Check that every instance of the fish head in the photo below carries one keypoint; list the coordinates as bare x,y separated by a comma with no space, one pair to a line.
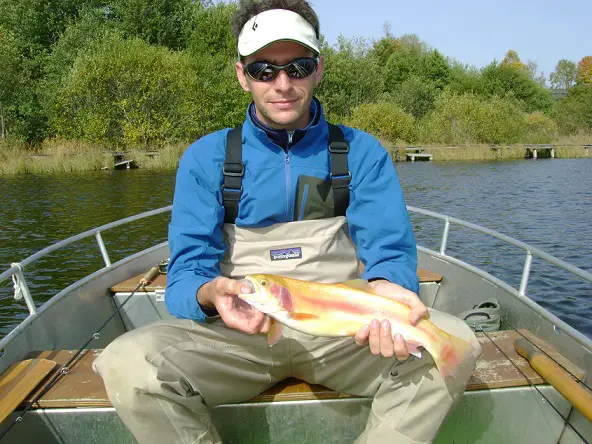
270,295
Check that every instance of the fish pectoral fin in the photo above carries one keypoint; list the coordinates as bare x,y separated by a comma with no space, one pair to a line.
303,316
359,284
413,348
275,332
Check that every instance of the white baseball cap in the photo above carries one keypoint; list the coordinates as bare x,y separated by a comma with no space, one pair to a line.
275,25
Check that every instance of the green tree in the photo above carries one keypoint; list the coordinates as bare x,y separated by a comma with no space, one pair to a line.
131,93
92,26
382,49
564,76
37,24
350,78
416,96
384,120
505,80
469,118
574,113
159,22
466,79
10,77
401,65
212,34
434,68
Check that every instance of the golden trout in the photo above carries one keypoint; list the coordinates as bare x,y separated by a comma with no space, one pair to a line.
338,310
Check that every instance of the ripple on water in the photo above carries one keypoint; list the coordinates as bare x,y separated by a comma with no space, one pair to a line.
544,203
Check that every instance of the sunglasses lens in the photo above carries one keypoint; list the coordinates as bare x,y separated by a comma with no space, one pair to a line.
261,71
297,69
301,68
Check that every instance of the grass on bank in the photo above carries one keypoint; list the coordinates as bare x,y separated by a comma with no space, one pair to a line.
63,156
564,149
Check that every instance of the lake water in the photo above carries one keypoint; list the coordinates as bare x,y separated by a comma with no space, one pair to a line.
545,203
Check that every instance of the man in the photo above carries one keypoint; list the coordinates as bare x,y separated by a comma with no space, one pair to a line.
289,198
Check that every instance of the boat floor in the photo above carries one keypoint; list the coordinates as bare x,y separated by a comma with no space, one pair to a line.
81,387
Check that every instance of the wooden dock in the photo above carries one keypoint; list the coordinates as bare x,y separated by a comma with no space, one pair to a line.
414,153
121,163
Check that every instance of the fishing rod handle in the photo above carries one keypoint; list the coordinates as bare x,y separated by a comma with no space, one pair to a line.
152,273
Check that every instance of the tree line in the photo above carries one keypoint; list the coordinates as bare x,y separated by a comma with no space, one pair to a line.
141,73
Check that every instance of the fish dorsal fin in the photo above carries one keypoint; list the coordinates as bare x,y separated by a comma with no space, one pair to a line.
359,284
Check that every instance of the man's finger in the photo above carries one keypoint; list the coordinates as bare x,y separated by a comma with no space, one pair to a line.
386,340
266,324
417,313
361,336
374,337
401,348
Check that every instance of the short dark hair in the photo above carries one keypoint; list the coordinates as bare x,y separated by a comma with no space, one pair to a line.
248,9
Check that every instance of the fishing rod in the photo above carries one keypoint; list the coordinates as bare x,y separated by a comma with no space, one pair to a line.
151,274
565,420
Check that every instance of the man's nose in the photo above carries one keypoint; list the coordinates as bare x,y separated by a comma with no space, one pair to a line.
283,81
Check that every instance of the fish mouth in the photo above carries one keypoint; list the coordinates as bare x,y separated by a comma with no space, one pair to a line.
259,298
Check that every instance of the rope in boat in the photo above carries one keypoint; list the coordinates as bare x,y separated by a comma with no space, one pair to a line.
565,420
65,368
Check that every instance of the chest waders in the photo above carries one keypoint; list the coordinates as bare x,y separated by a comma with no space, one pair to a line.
317,248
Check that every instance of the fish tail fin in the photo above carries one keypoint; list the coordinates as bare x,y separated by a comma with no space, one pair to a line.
450,353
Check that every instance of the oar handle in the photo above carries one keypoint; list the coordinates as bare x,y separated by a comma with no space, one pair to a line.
152,273
577,395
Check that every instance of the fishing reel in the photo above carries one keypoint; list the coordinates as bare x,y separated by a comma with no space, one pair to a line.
162,266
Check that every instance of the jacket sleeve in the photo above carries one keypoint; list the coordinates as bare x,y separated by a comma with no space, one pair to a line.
380,226
196,241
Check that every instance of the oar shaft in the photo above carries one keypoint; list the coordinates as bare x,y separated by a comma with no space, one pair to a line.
577,395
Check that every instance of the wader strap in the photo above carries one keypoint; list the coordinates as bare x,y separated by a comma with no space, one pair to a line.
340,174
233,170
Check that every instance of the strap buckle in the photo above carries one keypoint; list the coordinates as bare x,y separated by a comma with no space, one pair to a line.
232,194
233,169
340,181
339,147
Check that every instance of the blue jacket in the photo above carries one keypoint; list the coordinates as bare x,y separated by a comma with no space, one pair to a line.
377,216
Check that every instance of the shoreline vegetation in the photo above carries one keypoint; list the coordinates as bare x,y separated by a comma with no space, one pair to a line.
56,157
81,79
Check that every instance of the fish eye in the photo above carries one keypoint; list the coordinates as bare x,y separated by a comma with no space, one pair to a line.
263,282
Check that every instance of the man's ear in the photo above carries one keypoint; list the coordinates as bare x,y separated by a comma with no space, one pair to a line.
242,78
320,70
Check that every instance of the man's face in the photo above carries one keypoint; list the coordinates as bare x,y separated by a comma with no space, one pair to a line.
283,102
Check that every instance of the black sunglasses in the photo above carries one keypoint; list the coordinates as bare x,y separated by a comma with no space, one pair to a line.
296,69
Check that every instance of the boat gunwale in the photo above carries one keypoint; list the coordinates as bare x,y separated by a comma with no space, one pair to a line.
22,327
530,303
571,331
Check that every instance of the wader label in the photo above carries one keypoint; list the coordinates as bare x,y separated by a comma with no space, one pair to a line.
286,253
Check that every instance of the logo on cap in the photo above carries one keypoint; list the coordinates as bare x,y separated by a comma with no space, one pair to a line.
255,26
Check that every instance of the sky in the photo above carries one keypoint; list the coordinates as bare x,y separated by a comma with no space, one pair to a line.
472,32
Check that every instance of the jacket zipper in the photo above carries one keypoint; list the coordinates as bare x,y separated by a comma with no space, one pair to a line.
288,170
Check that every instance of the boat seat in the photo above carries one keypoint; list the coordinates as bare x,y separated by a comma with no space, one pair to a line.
81,387
159,283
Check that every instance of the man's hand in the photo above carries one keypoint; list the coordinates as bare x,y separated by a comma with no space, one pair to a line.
221,293
379,333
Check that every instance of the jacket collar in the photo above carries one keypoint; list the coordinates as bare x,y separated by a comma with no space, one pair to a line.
280,137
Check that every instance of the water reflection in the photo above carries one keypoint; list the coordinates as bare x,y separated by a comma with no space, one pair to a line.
546,203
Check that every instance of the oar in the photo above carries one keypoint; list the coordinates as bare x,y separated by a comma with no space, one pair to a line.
19,380
577,395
